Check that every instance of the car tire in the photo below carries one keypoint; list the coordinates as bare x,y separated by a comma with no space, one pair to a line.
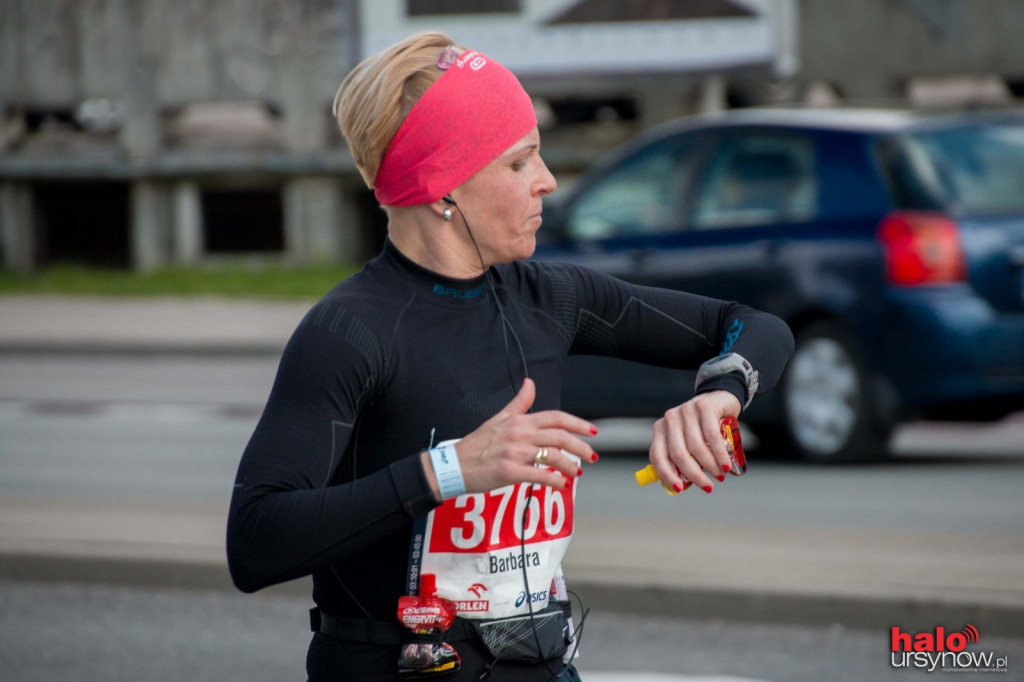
829,410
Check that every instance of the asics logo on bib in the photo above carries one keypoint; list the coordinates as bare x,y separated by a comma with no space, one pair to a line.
535,597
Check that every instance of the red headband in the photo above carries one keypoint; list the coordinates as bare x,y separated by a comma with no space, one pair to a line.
466,119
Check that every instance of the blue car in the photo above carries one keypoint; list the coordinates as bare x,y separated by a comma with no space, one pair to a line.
891,242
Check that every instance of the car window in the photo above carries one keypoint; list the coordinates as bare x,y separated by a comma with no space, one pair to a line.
758,179
641,196
973,168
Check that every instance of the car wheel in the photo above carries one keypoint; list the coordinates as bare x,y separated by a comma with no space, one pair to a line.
827,404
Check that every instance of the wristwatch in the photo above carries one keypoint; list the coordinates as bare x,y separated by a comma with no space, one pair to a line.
726,364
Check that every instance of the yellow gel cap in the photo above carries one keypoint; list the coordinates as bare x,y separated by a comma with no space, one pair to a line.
648,475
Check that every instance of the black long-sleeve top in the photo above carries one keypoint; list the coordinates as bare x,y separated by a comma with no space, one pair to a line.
396,357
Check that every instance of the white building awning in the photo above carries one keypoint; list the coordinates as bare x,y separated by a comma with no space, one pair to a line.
616,48
543,39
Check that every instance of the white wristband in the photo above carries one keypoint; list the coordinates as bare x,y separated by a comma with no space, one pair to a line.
448,471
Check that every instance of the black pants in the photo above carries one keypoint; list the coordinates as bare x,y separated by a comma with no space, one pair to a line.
333,660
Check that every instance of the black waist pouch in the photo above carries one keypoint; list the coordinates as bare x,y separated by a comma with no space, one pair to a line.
523,639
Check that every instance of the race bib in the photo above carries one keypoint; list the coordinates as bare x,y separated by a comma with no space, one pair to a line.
479,544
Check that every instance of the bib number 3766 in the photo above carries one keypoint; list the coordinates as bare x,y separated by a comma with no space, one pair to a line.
502,518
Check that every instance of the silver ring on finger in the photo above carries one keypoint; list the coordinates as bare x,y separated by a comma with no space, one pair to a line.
541,457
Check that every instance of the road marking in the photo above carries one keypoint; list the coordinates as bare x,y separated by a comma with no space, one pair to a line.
660,677
125,411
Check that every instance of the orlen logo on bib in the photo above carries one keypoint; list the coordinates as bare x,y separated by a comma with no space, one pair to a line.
472,605
478,605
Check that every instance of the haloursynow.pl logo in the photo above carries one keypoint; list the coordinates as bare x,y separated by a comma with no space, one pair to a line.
943,651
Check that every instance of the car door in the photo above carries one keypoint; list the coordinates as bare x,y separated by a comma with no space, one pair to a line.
609,224
749,216
703,212
616,216
756,193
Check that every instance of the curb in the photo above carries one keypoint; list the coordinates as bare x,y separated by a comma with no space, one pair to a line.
103,348
752,606
859,613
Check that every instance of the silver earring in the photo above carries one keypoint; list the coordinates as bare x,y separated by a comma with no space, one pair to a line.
447,215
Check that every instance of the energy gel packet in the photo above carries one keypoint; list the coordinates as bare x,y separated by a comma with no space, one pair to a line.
427,616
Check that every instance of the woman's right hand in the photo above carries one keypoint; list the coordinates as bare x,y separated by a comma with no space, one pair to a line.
503,450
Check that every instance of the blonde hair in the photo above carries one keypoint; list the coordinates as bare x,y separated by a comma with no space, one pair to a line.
379,92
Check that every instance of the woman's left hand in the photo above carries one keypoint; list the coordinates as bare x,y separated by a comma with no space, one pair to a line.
688,441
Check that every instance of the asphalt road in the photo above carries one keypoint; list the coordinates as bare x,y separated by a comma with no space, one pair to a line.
174,428
112,634
183,453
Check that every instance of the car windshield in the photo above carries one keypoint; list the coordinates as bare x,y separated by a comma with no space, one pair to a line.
975,169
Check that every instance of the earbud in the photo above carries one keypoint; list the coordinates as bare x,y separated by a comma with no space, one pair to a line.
448,212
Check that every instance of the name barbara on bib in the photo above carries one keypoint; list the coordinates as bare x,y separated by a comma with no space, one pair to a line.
513,562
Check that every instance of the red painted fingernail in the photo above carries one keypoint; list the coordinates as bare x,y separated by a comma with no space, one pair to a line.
707,489
593,457
726,468
579,472
678,488
720,478
593,430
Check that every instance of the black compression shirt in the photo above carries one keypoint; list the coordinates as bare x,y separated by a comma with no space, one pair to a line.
396,357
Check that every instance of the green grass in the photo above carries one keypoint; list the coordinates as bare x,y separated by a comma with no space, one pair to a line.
240,280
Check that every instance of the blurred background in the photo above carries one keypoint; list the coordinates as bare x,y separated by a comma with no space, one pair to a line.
174,195
164,125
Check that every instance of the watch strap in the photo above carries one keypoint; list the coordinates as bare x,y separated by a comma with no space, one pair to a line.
728,363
